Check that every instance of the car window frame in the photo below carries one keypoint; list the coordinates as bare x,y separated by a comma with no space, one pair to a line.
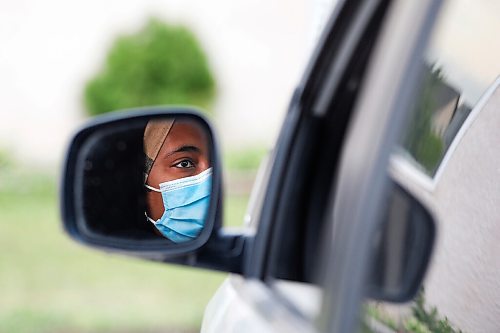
307,100
314,86
306,217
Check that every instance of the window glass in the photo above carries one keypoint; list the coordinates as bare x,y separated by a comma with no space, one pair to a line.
453,139
461,64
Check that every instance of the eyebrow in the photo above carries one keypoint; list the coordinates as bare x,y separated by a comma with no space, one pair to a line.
184,149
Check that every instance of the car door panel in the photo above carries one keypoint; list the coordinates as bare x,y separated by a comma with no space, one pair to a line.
247,305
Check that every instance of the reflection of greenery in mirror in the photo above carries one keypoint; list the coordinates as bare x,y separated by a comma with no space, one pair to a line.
422,142
438,113
160,64
419,318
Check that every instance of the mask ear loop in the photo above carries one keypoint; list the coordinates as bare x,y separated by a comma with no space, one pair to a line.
152,188
149,219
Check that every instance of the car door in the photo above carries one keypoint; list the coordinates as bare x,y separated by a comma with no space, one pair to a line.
330,169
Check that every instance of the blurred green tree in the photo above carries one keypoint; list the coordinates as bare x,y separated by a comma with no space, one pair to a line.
160,64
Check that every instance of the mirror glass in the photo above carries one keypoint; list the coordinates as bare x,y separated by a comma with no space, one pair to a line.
145,179
402,247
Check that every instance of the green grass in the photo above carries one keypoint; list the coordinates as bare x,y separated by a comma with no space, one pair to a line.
48,283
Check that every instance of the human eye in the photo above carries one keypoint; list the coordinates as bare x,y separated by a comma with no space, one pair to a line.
184,164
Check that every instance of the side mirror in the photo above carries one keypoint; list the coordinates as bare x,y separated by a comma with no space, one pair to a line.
143,182
402,248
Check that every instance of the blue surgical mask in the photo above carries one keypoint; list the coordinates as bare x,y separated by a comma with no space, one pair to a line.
186,202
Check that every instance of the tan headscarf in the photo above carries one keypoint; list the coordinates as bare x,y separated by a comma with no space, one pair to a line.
154,136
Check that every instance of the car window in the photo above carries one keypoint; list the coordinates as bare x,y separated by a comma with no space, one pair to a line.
452,141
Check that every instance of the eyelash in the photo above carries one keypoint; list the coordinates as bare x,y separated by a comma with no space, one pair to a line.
178,165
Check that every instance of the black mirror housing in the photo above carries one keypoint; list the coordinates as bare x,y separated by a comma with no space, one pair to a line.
402,247
102,179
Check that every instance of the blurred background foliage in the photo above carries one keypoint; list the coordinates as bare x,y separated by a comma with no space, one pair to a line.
244,159
160,64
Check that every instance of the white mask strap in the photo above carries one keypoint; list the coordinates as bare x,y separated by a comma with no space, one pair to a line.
152,188
149,219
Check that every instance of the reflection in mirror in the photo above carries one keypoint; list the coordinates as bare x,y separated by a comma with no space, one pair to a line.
438,113
402,248
146,180
178,177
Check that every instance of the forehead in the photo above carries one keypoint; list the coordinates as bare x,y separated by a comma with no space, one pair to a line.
185,133
186,129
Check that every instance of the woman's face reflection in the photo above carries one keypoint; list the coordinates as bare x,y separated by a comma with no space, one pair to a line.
184,153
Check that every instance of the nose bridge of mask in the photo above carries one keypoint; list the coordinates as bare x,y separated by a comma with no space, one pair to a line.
185,191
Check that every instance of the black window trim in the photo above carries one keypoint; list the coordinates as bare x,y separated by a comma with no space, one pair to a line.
323,65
